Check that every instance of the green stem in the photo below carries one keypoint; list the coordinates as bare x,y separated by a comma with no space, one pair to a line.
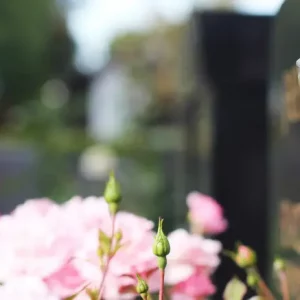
106,269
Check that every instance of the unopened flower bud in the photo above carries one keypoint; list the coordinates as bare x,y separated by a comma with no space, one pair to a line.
245,257
161,246
142,286
279,265
112,194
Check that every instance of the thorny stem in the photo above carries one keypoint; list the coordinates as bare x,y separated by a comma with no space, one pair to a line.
284,285
109,257
162,284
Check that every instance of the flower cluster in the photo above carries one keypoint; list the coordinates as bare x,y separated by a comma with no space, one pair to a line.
52,252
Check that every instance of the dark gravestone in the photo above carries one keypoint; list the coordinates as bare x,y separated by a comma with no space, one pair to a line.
18,177
234,55
285,111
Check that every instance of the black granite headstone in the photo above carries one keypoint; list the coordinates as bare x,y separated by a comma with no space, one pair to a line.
234,56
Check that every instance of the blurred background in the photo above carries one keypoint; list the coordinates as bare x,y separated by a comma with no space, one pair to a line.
174,96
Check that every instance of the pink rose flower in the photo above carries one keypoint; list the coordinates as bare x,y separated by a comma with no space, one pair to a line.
35,208
40,242
197,286
65,281
58,245
26,288
134,257
191,257
206,215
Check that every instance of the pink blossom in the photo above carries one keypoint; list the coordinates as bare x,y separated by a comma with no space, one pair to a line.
206,215
134,257
188,253
34,208
58,245
197,286
40,242
26,288
65,281
191,257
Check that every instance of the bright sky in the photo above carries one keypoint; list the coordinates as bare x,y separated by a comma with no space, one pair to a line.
95,22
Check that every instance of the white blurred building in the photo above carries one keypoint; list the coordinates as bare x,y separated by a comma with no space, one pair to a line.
114,100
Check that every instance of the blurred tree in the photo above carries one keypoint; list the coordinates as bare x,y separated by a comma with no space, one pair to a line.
34,46
154,59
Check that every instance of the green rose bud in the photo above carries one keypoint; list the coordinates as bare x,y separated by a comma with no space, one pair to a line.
112,194
142,286
245,257
279,265
161,246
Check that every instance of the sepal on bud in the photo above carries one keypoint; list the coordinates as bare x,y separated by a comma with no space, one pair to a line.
142,286
161,246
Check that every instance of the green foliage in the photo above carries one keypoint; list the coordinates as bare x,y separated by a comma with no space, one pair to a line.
34,45
57,144
104,243
131,42
154,60
72,297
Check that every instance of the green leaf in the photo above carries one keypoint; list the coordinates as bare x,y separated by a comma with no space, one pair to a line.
117,248
93,294
235,290
72,297
104,243
229,254
103,237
